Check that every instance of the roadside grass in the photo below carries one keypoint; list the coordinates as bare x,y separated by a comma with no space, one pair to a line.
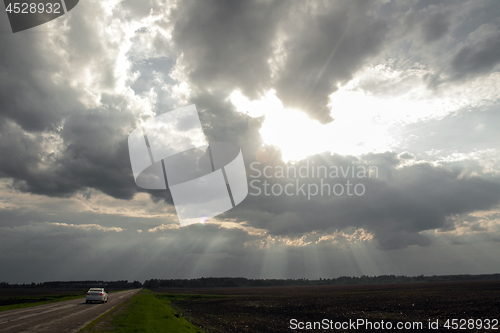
178,297
146,312
29,301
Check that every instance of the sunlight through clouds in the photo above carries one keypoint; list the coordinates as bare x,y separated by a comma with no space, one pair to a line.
369,112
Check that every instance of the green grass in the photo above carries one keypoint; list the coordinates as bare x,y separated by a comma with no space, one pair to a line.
28,301
175,297
144,312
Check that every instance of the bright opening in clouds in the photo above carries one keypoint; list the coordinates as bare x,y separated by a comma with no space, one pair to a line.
370,112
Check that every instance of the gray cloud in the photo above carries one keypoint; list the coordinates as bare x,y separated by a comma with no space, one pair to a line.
19,152
67,249
96,151
230,46
221,123
54,144
479,57
455,41
397,206
63,137
436,26
27,95
94,154
324,47
227,44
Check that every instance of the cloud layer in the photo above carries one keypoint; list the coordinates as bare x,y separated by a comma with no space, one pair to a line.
408,88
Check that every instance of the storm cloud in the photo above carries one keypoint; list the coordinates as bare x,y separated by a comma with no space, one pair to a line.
410,89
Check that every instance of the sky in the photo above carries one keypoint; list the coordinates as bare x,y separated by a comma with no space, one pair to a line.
408,91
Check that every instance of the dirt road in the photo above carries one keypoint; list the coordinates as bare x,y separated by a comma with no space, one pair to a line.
67,316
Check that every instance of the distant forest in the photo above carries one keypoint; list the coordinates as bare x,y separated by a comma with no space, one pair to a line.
215,282
108,285
343,280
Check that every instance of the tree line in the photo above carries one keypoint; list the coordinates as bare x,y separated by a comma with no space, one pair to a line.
224,282
123,284
214,282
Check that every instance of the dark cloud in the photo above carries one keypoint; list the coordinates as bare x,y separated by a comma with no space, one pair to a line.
67,250
54,144
96,153
480,57
65,119
27,94
436,26
93,154
396,207
227,44
40,67
324,47
20,152
222,123
454,41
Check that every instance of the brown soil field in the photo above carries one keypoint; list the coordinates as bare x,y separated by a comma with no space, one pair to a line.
270,309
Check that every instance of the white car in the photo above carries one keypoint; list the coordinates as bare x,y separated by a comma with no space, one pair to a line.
96,295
